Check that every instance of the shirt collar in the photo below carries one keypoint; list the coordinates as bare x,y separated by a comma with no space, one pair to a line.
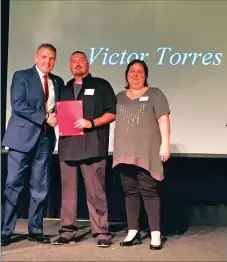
41,74
87,78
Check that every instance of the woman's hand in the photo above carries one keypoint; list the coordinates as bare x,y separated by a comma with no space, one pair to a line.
164,151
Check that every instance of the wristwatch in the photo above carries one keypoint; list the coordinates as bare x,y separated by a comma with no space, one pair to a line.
92,123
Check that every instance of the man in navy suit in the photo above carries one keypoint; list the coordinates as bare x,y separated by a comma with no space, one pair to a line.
30,137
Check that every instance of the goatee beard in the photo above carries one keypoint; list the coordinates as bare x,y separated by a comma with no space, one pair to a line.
79,74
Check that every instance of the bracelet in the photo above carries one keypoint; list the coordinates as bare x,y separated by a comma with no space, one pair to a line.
92,123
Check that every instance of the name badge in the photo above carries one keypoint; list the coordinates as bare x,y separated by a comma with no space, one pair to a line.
89,92
144,98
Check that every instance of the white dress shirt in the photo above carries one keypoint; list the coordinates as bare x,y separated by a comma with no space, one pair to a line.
51,99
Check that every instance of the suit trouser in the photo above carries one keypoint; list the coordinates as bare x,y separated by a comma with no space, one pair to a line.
136,181
37,161
94,180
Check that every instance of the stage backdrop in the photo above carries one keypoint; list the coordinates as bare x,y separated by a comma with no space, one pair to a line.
184,44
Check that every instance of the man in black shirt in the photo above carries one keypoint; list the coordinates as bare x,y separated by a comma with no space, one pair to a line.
87,152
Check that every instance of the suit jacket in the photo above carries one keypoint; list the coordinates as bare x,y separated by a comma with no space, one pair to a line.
28,109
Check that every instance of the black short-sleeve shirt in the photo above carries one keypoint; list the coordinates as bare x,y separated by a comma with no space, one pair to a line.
98,98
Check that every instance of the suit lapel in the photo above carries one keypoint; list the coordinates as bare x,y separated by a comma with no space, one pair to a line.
37,81
55,84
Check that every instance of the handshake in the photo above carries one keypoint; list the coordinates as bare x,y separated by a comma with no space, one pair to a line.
51,119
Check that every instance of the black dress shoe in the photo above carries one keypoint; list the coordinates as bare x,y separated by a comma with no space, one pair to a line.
103,243
5,240
135,241
63,240
152,247
40,238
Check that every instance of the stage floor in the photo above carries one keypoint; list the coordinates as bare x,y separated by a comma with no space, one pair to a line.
199,243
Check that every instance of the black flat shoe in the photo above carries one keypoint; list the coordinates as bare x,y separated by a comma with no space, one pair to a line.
135,241
40,238
152,247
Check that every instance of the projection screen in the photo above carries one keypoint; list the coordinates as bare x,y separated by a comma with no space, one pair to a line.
184,44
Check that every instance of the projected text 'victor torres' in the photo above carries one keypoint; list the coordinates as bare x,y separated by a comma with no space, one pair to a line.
164,56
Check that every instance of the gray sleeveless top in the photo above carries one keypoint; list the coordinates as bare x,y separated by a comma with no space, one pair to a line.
137,137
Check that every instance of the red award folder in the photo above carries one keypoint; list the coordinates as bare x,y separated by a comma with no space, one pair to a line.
68,112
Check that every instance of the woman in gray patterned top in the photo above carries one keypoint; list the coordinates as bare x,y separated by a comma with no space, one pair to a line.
141,144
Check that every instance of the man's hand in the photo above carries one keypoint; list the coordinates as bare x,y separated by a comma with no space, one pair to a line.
164,151
52,119
83,123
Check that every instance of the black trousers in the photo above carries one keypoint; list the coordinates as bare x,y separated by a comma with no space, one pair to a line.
138,182
94,180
